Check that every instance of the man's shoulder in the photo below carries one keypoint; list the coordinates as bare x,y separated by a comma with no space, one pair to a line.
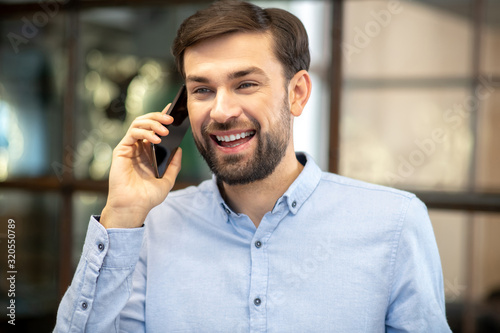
356,198
361,189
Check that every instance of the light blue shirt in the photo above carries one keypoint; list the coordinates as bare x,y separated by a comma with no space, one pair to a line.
334,255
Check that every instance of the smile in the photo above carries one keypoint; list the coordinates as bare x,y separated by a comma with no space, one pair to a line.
234,140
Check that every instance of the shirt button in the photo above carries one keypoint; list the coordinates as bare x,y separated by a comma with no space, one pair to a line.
84,305
257,301
225,209
100,246
258,244
294,204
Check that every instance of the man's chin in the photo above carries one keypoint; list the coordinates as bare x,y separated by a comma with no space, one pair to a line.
233,170
231,159
236,179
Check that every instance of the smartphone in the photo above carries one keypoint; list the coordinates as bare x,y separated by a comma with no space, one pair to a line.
163,152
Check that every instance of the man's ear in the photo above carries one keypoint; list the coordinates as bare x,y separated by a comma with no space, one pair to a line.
299,90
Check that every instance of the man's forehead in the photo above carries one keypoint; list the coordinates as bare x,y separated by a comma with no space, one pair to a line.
249,49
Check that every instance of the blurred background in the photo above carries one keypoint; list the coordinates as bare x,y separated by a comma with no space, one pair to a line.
405,94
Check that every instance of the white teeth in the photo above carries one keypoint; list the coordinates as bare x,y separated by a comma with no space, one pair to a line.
233,137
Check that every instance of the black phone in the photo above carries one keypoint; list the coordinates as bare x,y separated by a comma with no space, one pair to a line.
163,152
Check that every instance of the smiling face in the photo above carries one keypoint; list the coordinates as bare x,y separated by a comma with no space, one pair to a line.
238,106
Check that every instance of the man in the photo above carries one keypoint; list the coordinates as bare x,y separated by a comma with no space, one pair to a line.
271,243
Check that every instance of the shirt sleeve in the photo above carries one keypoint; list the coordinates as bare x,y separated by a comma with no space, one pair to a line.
416,303
102,283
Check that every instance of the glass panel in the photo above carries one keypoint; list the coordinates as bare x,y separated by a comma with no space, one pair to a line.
34,217
84,205
491,39
407,137
406,100
470,255
487,272
32,77
488,253
450,229
488,157
406,39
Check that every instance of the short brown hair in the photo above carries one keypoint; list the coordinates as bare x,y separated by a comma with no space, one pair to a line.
291,45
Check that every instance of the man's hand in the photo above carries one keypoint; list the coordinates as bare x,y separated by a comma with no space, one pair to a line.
133,188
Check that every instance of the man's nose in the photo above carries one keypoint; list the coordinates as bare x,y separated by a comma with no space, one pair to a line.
225,107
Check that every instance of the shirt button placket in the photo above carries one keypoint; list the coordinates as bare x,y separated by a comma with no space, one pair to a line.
258,316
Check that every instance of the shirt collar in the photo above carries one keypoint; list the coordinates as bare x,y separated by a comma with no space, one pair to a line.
305,184
297,193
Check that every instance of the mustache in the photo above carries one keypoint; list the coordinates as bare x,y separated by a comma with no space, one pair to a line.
214,126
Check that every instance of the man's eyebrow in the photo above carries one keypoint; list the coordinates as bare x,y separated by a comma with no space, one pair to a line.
245,72
195,78
230,76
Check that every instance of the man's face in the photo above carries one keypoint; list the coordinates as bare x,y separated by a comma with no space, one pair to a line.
238,106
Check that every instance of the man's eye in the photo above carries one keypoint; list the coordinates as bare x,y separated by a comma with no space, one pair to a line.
201,91
246,85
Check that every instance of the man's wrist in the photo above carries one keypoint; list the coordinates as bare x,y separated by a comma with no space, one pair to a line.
121,218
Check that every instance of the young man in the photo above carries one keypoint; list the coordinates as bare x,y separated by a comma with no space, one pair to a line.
271,243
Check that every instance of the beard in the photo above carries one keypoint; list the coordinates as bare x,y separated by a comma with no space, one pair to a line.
234,169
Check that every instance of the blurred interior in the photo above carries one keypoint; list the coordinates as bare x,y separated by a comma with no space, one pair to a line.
406,94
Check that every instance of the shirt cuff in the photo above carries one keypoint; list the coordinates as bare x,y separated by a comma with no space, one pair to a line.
114,248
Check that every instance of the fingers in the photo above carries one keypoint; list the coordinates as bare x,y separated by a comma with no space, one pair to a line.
148,127
164,111
154,117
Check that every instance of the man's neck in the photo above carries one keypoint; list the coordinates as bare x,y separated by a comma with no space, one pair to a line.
258,198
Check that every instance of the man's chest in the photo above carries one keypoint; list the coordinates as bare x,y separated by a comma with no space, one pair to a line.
278,284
